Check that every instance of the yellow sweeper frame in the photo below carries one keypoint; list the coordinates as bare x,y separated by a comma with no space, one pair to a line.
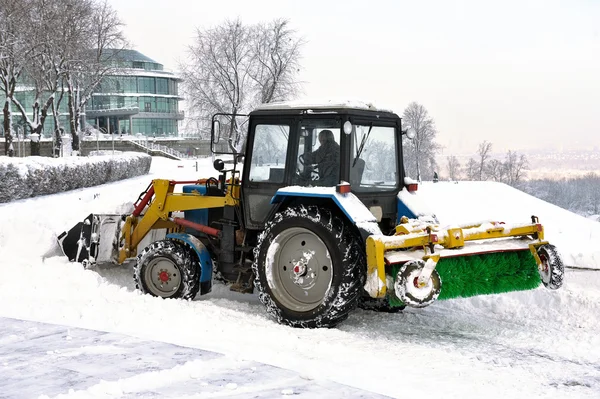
427,237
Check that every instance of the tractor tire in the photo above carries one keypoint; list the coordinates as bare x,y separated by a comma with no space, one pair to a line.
406,288
168,269
379,305
552,269
308,268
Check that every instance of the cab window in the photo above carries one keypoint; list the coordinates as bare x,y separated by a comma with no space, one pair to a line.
269,153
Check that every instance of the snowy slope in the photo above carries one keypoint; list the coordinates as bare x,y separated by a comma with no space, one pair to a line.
575,236
529,344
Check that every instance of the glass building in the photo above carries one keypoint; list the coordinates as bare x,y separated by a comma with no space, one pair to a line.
139,97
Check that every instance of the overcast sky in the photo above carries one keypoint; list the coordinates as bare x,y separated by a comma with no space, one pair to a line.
521,74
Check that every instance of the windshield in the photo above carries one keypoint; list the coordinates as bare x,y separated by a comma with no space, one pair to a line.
373,165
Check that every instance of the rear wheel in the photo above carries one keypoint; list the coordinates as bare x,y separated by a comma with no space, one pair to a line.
308,268
551,269
168,269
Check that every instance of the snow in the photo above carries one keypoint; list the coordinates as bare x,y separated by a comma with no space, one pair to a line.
323,104
538,343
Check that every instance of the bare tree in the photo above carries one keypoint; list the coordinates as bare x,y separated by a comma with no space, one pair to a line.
420,152
45,72
516,166
484,151
234,67
277,51
15,53
496,170
471,170
47,44
453,168
97,44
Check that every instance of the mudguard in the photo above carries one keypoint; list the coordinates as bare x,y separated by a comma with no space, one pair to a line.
206,266
356,212
412,207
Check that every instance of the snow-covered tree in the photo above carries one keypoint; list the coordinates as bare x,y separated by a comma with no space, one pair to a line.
49,45
484,152
277,51
471,170
15,53
420,152
97,44
453,168
232,67
516,166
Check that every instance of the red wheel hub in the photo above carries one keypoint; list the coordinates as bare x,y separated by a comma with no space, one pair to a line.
163,276
300,269
544,261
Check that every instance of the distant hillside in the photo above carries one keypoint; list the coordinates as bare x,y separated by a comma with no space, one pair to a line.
547,164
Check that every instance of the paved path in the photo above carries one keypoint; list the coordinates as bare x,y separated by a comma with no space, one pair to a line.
39,360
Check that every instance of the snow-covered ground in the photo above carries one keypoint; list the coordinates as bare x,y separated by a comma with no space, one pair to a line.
537,343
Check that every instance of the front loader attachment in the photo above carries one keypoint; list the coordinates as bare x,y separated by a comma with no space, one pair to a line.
95,240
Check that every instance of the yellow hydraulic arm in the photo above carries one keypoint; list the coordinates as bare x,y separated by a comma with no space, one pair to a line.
159,201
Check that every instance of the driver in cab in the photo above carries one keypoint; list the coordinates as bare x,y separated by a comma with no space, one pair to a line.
327,157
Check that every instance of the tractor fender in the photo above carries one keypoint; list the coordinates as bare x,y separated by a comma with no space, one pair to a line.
206,266
413,207
352,207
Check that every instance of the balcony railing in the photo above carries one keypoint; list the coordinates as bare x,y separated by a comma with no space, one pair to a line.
104,107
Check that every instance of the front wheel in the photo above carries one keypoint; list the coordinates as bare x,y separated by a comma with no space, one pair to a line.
551,269
168,269
308,268
408,289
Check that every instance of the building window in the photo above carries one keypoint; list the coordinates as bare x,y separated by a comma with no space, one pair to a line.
146,85
162,86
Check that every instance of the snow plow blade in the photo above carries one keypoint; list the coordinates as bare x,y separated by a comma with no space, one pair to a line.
94,240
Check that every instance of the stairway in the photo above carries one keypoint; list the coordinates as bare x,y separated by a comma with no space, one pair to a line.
157,149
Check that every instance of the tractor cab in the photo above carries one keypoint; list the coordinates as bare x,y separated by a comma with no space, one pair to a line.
312,145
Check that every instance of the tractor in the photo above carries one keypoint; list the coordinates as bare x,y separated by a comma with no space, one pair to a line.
320,219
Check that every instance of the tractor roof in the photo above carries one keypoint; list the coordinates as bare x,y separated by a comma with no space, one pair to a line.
336,106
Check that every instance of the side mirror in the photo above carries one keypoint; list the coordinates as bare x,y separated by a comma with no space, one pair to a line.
410,133
219,165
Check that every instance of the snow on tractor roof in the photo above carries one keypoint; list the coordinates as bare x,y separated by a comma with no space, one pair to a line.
323,105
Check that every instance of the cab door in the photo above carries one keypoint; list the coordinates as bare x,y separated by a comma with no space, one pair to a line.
266,168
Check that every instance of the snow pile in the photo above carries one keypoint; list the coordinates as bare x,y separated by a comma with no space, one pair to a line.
34,176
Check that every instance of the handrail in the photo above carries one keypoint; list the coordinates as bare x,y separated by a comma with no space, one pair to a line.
152,146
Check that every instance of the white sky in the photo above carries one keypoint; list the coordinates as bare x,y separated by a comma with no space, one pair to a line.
521,74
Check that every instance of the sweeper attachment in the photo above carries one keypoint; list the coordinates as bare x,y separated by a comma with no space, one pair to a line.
488,258
321,220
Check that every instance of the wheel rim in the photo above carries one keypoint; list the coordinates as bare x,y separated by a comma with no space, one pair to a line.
407,288
162,277
412,286
301,269
544,268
